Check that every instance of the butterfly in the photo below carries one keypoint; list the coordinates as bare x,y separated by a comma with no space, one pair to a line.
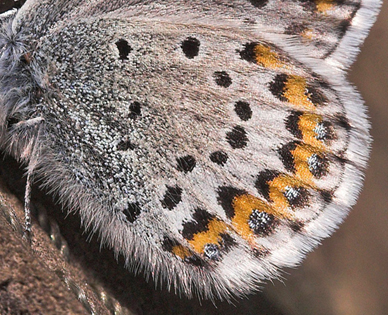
210,143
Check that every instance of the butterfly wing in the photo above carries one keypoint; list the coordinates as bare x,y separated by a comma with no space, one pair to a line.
211,143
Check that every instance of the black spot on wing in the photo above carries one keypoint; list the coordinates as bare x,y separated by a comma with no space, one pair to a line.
219,157
262,181
292,124
132,211
243,110
227,241
125,145
186,163
225,197
327,196
172,197
248,52
222,78
343,122
190,47
201,219
296,226
286,156
195,261
124,49
168,244
237,137
135,109
259,3
277,86
316,95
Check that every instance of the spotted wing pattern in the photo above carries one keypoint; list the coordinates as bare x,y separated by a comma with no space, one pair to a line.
209,142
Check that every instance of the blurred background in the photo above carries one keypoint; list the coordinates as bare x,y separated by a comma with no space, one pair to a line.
346,275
